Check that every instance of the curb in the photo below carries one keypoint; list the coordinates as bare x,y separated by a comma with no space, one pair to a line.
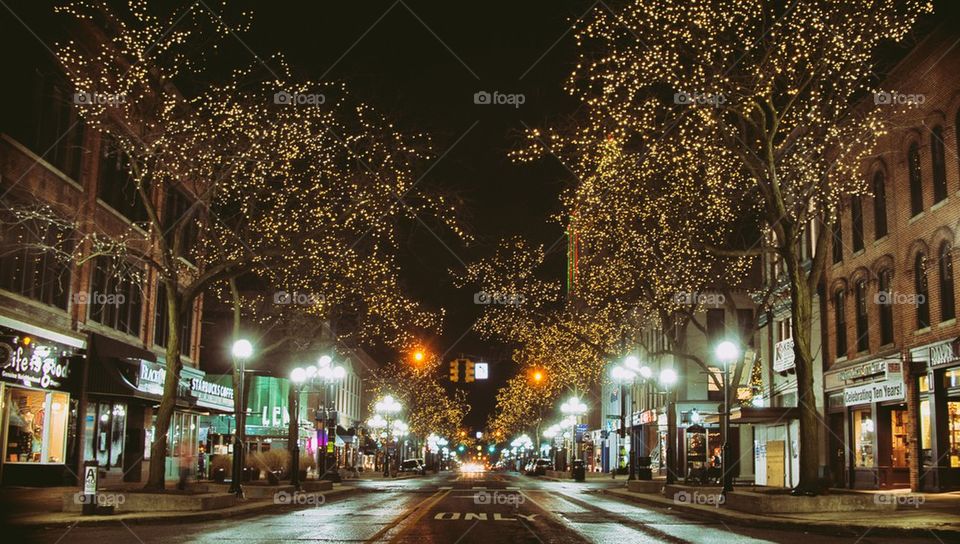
251,507
772,522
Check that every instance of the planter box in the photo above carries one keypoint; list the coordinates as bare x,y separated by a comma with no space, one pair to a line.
126,501
560,474
312,486
784,503
645,486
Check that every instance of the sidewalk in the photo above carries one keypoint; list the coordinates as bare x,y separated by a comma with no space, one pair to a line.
939,515
34,507
371,475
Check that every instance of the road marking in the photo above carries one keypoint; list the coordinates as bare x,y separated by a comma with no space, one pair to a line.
443,488
480,516
475,488
406,521
512,488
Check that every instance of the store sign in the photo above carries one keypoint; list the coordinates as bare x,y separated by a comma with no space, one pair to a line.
874,392
783,358
944,353
863,371
647,416
151,377
36,366
210,394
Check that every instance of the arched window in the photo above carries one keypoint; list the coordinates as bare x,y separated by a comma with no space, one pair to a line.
879,206
916,181
839,318
948,308
921,291
885,301
938,161
863,338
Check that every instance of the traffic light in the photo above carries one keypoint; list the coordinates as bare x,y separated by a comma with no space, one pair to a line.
469,375
455,370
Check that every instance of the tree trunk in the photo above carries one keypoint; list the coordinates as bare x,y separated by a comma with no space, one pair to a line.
801,311
158,451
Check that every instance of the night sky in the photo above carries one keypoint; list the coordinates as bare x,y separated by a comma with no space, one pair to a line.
421,63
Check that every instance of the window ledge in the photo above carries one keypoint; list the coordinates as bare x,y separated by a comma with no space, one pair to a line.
924,330
40,160
881,240
122,217
840,360
948,323
888,345
859,252
916,218
940,204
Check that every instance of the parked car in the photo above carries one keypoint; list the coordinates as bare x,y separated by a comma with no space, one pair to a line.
541,466
413,465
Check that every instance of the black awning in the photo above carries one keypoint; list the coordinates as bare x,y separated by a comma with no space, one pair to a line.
104,347
116,377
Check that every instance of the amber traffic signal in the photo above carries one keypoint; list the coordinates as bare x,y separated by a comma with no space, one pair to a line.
455,370
469,372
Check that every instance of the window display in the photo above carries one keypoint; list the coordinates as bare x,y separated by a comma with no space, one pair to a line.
899,453
36,426
863,432
953,430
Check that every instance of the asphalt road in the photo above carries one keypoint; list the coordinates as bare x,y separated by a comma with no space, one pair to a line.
448,508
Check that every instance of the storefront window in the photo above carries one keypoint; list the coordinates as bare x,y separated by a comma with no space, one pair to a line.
953,429
36,426
951,378
863,433
925,436
898,434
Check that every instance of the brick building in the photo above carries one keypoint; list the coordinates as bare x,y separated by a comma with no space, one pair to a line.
81,347
891,365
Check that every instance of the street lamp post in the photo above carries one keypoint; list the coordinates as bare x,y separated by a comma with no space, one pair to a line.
573,408
384,410
668,378
727,353
241,350
328,374
298,376
625,375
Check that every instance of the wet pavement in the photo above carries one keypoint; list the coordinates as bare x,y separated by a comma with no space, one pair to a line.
452,508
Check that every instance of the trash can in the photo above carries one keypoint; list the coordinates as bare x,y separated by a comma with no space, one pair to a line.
644,472
579,471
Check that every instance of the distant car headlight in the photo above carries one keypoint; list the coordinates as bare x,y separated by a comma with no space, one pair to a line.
471,467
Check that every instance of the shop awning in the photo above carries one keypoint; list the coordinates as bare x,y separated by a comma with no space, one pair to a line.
104,347
768,414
